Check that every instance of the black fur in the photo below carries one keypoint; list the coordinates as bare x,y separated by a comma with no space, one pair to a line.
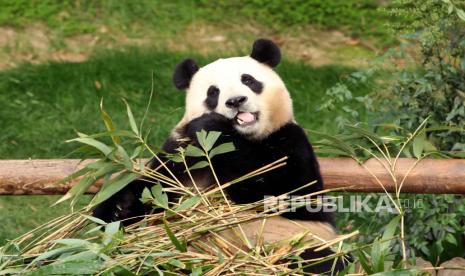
184,72
324,267
124,205
254,85
212,97
265,51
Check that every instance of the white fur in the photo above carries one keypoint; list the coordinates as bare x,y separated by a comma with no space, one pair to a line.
274,103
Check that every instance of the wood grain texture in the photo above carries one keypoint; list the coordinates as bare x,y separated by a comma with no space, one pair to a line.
40,177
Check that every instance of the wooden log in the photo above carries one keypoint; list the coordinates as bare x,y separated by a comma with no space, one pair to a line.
429,176
447,176
38,176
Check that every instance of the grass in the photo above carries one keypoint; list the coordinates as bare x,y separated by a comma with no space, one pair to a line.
77,17
22,213
44,105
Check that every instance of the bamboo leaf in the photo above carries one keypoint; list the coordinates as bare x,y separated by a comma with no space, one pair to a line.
132,121
137,151
83,185
52,253
113,186
179,246
94,219
88,267
146,195
336,142
201,137
223,148
389,233
363,132
73,242
108,123
106,150
197,271
81,256
119,133
364,262
188,203
160,197
211,139
199,165
194,151
177,263
124,157
418,145
76,174
93,230
111,230
77,189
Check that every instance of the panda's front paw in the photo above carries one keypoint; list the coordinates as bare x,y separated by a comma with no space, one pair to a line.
124,206
209,122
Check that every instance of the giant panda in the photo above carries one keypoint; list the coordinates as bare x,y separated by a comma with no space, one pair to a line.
246,100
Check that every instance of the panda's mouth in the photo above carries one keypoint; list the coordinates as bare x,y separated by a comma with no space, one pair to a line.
246,118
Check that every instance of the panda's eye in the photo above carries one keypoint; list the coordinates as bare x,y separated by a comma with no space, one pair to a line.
212,97
252,83
213,91
247,79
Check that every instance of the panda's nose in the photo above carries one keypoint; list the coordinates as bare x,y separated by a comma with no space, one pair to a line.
236,102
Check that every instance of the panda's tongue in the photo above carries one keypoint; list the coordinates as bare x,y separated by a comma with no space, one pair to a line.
246,117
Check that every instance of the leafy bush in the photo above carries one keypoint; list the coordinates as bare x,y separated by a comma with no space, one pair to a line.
437,90
429,86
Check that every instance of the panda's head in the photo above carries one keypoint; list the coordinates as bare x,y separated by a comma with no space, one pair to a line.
244,89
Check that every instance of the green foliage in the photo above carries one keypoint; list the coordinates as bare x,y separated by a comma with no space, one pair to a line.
430,86
435,91
436,228
433,223
380,255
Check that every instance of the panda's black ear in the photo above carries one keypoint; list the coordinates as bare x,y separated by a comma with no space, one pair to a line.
184,72
266,51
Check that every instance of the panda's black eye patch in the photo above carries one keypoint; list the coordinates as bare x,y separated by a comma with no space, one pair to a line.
252,83
212,97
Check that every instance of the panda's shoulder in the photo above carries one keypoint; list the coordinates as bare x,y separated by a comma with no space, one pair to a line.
289,133
292,129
